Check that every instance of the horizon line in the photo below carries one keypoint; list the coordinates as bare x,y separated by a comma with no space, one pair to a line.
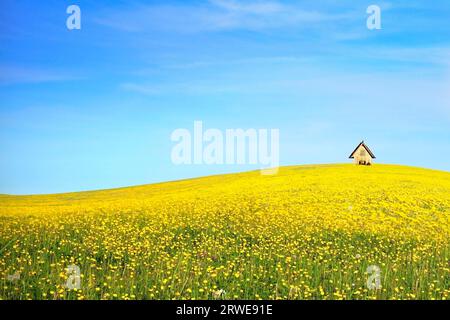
3,195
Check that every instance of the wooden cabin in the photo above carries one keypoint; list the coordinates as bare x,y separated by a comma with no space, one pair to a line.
362,155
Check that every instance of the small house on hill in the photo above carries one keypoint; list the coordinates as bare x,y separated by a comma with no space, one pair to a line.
362,155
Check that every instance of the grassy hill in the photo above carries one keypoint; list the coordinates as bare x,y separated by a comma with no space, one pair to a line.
309,232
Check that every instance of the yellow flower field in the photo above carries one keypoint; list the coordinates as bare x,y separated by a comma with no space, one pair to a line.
309,232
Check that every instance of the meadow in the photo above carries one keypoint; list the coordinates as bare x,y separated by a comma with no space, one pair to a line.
309,232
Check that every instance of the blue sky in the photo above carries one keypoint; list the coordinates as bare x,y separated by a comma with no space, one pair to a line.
94,108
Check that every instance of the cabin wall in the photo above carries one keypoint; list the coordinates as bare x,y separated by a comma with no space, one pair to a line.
361,154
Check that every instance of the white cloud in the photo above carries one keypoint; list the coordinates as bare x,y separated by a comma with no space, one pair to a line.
181,88
404,94
435,55
216,15
249,7
17,75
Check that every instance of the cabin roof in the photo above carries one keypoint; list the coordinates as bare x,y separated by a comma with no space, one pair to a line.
365,147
